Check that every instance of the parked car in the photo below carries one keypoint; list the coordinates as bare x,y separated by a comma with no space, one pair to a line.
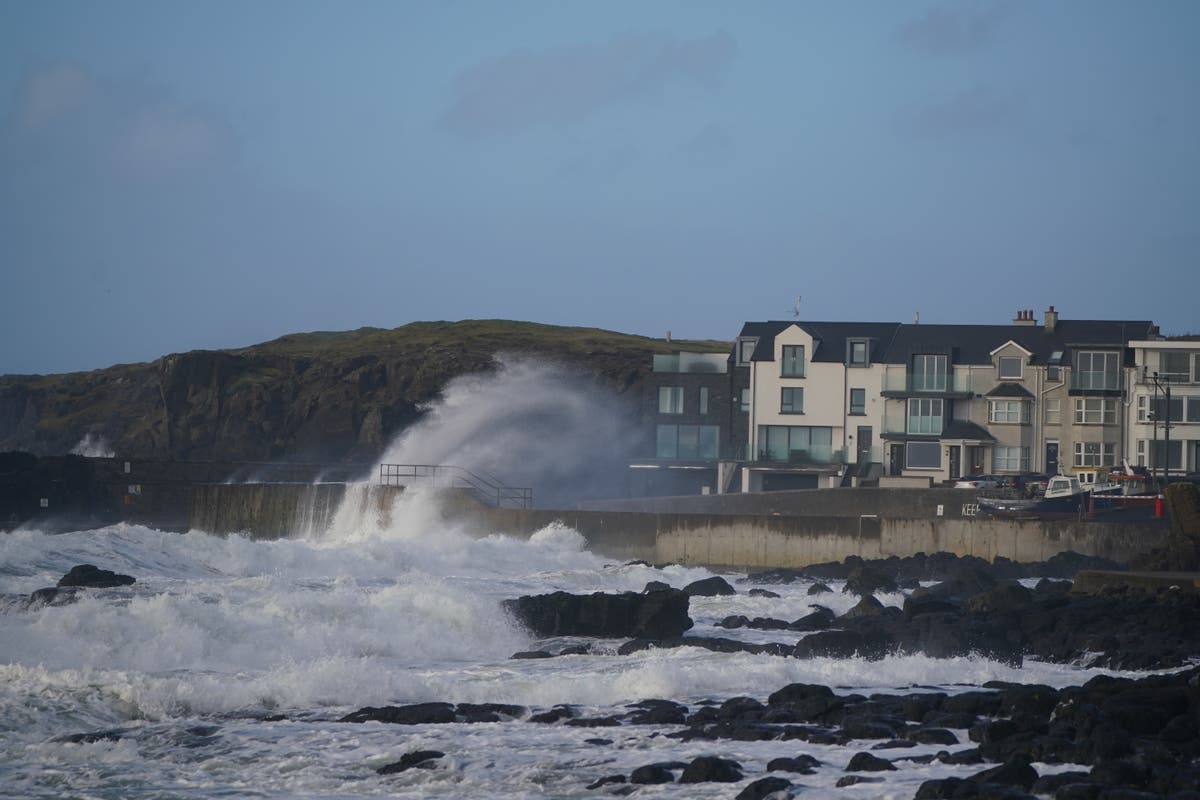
977,482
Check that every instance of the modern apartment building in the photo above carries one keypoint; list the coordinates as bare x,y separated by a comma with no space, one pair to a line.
801,404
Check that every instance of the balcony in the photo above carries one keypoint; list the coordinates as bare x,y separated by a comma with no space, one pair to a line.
695,363
897,426
1095,383
813,456
906,384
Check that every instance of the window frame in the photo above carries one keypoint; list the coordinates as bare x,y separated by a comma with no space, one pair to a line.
1004,459
1052,405
670,400
703,404
1005,376
933,447
851,346
1021,412
787,400
1103,455
859,410
791,366
1091,356
935,381
1107,411
920,402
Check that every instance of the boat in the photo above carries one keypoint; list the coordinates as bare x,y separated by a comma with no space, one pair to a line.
1066,496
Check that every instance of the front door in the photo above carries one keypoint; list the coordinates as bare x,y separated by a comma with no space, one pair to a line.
955,462
1052,458
896,463
864,444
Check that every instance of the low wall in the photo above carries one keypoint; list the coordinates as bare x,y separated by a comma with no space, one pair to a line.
848,502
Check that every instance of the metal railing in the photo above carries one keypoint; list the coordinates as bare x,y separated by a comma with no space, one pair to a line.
485,488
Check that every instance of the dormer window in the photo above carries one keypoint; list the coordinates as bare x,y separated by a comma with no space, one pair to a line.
745,351
792,365
856,353
1010,367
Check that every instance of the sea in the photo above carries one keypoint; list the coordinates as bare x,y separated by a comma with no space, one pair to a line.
223,671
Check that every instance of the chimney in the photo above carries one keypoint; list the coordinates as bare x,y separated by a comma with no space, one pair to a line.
1024,318
668,335
1051,319
917,318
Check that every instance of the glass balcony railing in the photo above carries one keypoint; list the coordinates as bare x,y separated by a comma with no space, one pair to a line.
816,454
916,426
1096,381
703,363
917,383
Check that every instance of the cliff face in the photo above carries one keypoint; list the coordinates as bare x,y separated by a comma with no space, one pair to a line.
319,396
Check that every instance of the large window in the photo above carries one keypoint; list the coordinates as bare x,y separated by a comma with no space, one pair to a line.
1008,411
745,400
923,455
795,443
793,361
670,399
1168,454
929,373
1159,409
1097,370
924,415
688,441
1010,459
703,399
1175,366
1095,411
745,351
1010,367
858,402
1053,412
791,400
1095,454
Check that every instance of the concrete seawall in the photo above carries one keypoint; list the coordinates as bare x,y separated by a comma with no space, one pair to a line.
736,541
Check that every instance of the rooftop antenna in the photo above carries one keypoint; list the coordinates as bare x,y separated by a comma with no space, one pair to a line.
796,307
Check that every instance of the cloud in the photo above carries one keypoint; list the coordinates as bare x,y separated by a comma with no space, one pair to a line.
947,32
133,128
973,111
564,86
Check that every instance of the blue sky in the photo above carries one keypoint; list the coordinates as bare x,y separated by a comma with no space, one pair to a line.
182,175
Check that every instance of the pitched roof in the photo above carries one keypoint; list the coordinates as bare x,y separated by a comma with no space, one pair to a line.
832,335
1008,389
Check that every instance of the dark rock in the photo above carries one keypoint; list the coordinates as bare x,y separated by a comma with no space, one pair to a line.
894,744
818,588
803,764
656,615
860,727
655,586
417,758
816,621
555,714
867,762
598,741
933,736
709,587
607,780
734,621
796,692
841,644
1050,784
51,596
652,773
658,712
1015,772
1005,597
90,575
91,736
418,714
868,580
852,780
525,655
710,769
868,606
594,722
764,593
915,605
488,712
764,788
970,755
946,788
575,650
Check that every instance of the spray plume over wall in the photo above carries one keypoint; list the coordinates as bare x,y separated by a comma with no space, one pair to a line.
528,423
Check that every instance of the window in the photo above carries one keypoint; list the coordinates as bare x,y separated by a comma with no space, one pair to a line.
1053,374
670,399
1193,409
745,399
1010,459
1095,411
1095,454
1169,454
1141,452
1008,411
687,441
857,353
791,401
1011,366
1053,411
1097,370
923,455
793,361
924,415
703,399
1159,409
858,401
1142,403
929,373
745,351
1175,366
795,443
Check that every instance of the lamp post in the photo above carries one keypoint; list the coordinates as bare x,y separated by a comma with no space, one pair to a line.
1165,385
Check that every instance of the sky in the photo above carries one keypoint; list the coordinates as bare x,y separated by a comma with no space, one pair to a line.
184,175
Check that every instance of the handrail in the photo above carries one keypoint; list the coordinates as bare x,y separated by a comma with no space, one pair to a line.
486,488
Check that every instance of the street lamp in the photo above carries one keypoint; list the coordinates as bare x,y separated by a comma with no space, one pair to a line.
1165,386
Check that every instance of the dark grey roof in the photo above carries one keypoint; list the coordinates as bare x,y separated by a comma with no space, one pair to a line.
832,335
1008,389
961,429
897,343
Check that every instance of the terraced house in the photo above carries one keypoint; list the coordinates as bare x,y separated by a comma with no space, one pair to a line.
851,403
